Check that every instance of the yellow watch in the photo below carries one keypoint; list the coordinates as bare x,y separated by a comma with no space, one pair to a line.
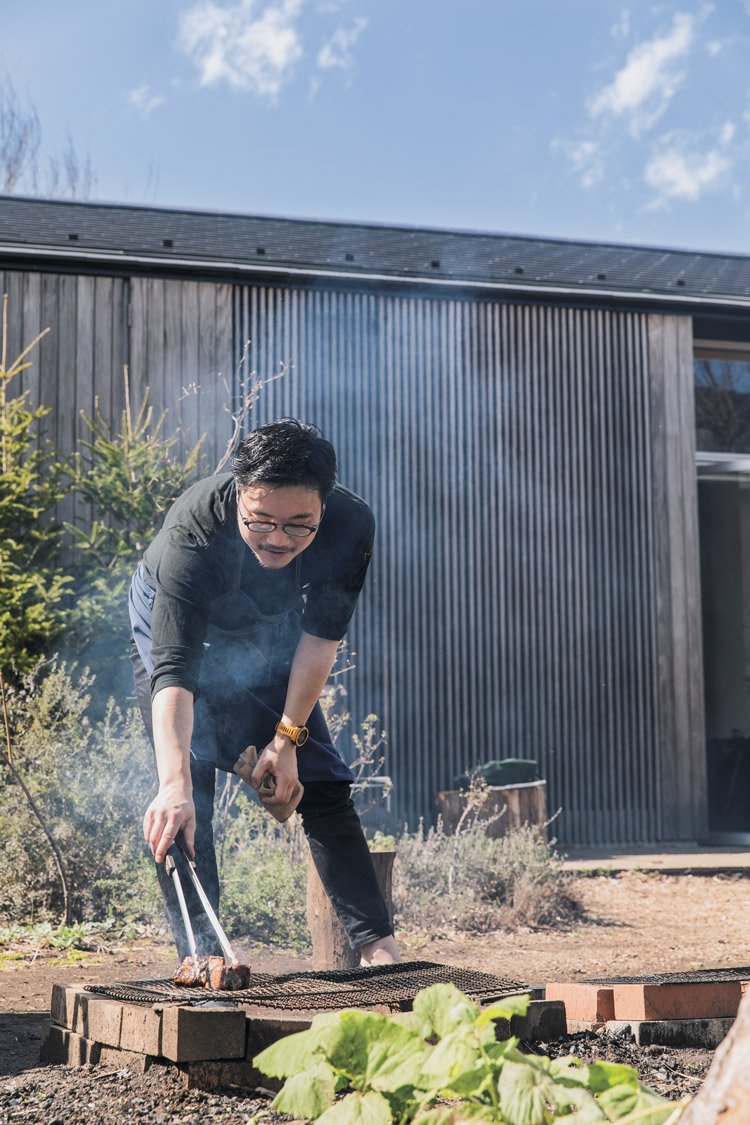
298,735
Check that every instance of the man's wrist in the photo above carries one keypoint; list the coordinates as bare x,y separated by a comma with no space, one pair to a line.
296,735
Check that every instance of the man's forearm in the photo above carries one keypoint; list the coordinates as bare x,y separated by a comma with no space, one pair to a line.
172,808
172,717
313,660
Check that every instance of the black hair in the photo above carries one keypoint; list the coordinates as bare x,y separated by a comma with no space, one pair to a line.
286,452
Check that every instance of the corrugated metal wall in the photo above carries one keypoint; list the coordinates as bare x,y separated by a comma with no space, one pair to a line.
534,589
507,453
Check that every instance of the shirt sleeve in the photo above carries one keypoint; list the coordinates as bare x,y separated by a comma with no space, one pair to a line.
186,583
331,600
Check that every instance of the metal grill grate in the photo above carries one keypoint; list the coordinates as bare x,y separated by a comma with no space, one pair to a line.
697,976
336,988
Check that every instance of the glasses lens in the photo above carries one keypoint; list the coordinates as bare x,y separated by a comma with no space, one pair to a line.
298,530
260,528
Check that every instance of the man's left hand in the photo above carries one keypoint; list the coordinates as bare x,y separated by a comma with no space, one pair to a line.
280,759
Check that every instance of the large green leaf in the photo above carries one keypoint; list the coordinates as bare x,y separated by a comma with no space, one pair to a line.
467,1114
505,1009
358,1109
604,1075
295,1053
373,1051
626,1103
441,1008
525,1091
307,1094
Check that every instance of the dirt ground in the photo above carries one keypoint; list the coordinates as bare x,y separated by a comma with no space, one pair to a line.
633,923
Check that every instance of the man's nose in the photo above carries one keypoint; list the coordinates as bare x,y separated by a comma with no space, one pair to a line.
278,537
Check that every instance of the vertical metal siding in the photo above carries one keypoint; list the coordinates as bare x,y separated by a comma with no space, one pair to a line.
511,603
528,595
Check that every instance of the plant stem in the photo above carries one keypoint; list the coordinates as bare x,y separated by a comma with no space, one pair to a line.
37,814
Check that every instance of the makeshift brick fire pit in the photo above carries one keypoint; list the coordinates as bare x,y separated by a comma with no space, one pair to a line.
214,1036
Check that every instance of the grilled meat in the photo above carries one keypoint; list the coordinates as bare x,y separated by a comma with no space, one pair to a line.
227,978
186,973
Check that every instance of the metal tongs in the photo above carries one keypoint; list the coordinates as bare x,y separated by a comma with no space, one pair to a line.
171,869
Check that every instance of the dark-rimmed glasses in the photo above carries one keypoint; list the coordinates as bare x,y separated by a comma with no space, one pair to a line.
265,527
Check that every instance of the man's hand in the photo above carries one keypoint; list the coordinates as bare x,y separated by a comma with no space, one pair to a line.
172,809
280,759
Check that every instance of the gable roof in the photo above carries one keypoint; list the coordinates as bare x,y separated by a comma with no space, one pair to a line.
201,241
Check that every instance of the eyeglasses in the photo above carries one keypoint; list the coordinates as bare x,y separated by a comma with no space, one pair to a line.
265,527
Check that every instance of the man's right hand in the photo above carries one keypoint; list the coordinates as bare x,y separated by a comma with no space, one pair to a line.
172,809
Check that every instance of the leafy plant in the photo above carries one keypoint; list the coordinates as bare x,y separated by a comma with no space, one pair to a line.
358,1067
92,782
32,590
263,871
128,477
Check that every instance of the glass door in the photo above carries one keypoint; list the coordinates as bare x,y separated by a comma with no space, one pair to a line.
722,401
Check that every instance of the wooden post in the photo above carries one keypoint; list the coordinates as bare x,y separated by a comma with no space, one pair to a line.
331,949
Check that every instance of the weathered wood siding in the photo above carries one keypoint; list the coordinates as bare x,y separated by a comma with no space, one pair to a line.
534,591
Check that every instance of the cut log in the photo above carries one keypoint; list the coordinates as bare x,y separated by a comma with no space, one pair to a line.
505,807
331,949
724,1098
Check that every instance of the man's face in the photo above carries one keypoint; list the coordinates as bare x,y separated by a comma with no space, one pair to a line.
288,505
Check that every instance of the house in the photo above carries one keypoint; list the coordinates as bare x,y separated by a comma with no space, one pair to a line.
561,568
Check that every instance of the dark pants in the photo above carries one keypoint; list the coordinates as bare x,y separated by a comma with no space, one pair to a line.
333,831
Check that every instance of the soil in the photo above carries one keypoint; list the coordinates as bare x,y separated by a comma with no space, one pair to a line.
631,924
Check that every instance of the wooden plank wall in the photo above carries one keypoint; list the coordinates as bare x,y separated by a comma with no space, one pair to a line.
674,485
181,352
512,604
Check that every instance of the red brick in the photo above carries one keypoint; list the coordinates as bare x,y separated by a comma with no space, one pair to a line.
677,1001
592,1003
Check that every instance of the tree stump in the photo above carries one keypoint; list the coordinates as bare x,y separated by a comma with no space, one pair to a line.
505,807
331,949
725,1096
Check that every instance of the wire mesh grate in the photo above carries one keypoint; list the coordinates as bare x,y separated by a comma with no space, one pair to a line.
335,988
692,976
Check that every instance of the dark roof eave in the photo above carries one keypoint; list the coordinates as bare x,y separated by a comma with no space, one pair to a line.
269,270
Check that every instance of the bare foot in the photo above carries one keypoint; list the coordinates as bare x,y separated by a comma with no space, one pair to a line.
384,951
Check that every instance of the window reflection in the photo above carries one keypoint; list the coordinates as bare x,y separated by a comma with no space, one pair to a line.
722,405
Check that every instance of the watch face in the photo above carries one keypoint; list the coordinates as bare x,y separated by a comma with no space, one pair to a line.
303,736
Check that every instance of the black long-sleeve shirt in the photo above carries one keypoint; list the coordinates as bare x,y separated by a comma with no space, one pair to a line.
199,557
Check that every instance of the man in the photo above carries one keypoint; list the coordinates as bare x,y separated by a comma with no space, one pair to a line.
237,611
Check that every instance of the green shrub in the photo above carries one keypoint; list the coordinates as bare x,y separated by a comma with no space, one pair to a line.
470,881
263,871
32,591
91,783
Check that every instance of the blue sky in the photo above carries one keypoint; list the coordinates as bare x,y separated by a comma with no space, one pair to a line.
568,118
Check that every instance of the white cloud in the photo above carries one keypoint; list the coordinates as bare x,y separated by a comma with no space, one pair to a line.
238,44
337,51
621,30
644,87
587,160
144,101
683,171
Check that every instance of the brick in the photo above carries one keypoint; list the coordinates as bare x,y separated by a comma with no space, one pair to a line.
707,1033
591,1003
141,1029
544,1019
93,1017
133,1060
61,1045
674,1001
198,1034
